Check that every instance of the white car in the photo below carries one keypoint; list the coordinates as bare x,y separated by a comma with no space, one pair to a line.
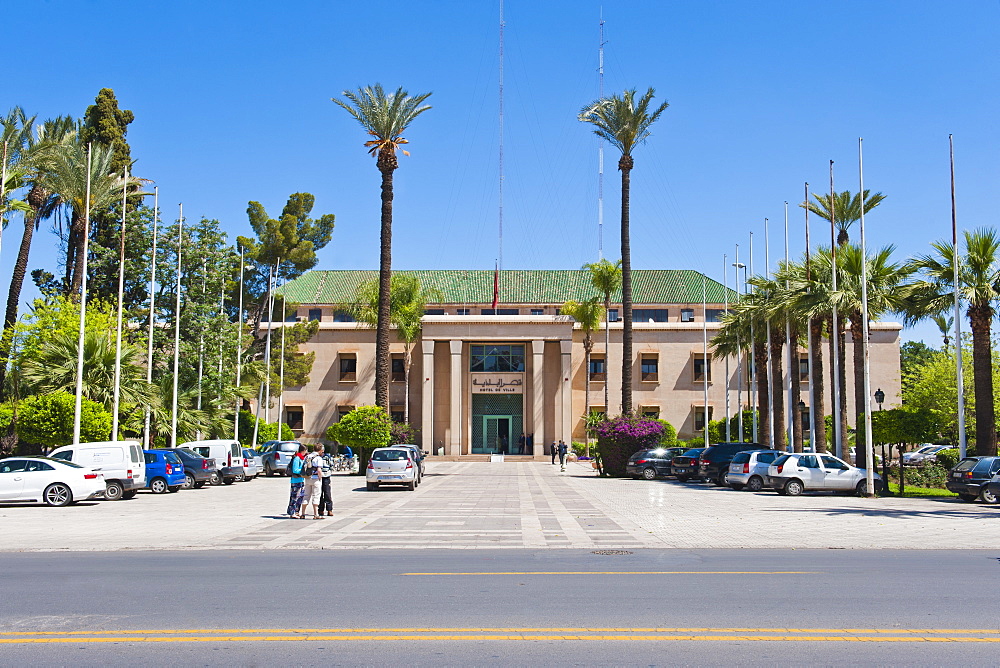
52,481
925,453
391,466
795,473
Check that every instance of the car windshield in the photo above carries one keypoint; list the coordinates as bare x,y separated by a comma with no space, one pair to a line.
187,452
741,458
389,455
966,465
780,460
172,457
642,454
694,452
927,449
291,446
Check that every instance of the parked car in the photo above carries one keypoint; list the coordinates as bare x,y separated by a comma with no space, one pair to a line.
164,471
121,463
55,482
391,466
684,467
418,458
274,456
228,456
794,473
925,453
749,469
649,464
970,477
197,470
251,463
713,463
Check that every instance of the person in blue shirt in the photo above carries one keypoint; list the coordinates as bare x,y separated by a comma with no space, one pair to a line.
346,451
296,469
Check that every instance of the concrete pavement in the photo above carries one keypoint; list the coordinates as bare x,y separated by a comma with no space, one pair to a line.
472,505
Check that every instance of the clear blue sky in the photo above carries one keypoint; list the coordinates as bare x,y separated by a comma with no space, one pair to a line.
232,103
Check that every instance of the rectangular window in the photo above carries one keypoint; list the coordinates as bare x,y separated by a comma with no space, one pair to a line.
342,316
396,414
348,367
433,311
293,416
649,315
463,311
714,314
498,358
398,369
500,311
687,315
651,412
699,368
315,314
650,367
342,411
612,315
803,368
537,311
699,417
597,371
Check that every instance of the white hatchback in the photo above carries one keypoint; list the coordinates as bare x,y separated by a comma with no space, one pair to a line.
795,473
51,481
391,466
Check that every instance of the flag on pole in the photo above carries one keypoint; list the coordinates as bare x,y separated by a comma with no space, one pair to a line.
496,286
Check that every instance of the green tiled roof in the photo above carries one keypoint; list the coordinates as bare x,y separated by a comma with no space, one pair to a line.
517,286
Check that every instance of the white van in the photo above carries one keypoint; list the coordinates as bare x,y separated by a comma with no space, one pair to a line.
122,463
228,456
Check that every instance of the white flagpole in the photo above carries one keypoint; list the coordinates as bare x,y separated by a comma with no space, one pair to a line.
201,338
271,280
767,345
869,443
809,343
83,310
725,297
115,403
177,329
146,441
838,437
239,352
222,318
962,438
753,359
790,356
281,373
739,357
704,355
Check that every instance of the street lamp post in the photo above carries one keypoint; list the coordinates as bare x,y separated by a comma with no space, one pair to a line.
739,360
879,398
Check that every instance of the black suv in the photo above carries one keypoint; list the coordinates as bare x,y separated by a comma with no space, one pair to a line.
713,464
649,464
969,478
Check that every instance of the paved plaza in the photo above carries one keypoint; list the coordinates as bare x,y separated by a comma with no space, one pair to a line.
475,505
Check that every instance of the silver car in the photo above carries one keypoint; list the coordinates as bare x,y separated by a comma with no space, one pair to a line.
925,453
749,469
793,474
251,464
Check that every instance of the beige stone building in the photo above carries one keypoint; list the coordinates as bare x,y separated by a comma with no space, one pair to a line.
513,378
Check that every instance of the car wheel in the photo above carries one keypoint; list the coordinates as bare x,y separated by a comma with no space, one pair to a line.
986,496
215,479
862,487
240,477
174,488
58,494
268,471
736,486
372,487
158,486
721,479
411,486
113,491
793,488
129,494
755,484
189,481
649,473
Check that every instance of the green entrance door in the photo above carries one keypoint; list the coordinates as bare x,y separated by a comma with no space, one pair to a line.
496,434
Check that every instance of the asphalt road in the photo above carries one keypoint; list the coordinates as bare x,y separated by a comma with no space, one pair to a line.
500,607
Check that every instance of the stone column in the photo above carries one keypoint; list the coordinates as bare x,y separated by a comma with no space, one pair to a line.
565,415
455,437
537,396
427,399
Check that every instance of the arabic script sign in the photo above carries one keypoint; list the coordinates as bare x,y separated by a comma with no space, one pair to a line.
497,383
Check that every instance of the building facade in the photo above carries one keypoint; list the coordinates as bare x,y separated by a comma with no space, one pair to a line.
512,377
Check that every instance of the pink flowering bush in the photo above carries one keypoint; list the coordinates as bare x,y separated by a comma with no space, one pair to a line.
619,437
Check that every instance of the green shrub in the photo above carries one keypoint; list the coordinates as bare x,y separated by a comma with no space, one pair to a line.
926,475
697,442
402,432
47,420
947,459
669,437
364,429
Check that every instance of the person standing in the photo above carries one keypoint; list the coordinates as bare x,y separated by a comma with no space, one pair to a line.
313,484
553,451
562,455
296,467
326,470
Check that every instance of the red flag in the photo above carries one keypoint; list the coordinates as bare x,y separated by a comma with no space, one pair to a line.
496,287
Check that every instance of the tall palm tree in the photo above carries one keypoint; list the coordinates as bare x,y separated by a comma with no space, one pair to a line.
407,303
843,208
744,330
606,277
773,304
979,288
385,116
624,122
588,314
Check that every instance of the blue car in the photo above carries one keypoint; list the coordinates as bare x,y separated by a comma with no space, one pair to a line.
164,471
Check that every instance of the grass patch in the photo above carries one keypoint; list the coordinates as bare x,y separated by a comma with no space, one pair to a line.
922,492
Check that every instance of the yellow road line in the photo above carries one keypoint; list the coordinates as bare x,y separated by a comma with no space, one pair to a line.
627,573
498,630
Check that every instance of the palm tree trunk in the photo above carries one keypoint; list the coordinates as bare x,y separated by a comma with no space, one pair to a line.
763,391
77,283
14,295
625,165
406,385
588,346
777,393
793,345
607,354
72,242
384,278
846,453
857,333
980,317
817,404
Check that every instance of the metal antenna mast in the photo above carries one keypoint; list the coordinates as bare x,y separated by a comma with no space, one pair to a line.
600,147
